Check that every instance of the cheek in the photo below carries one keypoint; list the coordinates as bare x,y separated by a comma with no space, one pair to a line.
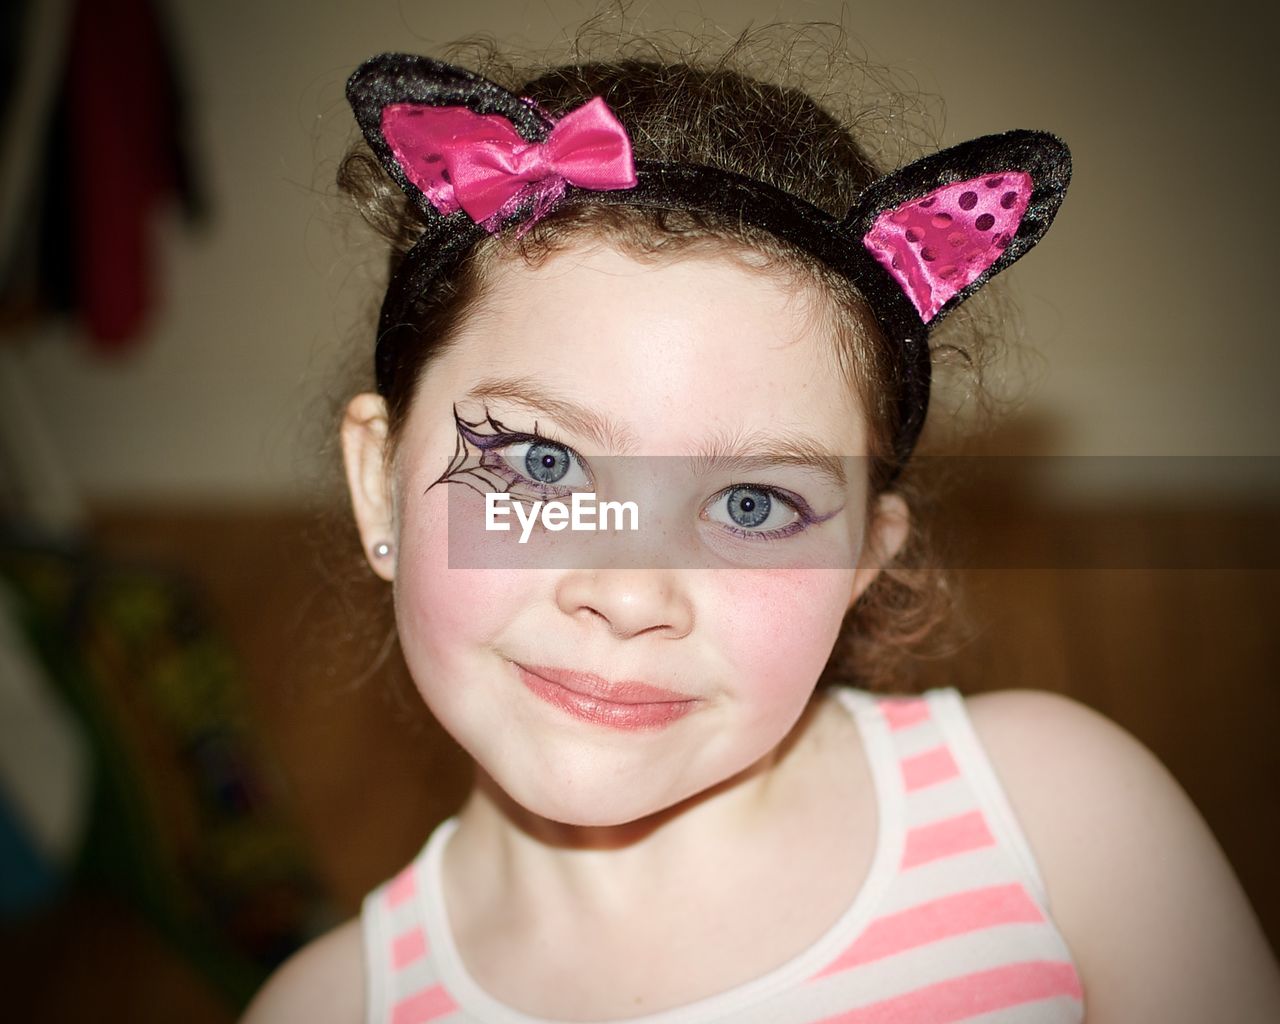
779,627
443,613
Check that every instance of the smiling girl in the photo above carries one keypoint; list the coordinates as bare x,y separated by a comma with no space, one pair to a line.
678,286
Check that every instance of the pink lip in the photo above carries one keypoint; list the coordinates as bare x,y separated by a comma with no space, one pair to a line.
621,705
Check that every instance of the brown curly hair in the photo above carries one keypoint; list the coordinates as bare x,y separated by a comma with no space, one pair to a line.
696,105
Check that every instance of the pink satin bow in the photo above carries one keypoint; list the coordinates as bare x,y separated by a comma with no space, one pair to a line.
480,164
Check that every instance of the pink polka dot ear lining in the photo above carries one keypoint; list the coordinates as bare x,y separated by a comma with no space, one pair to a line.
939,244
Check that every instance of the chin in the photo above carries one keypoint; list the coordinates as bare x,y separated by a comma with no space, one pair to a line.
590,817
590,810
601,805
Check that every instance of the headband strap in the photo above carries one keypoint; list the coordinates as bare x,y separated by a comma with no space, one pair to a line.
475,158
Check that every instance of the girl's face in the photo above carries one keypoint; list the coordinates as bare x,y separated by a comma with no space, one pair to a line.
716,598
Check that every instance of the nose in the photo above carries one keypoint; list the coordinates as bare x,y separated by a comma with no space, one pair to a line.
630,601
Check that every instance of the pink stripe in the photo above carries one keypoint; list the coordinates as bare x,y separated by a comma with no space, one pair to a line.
902,713
935,765
407,948
423,1006
402,887
970,995
946,838
938,919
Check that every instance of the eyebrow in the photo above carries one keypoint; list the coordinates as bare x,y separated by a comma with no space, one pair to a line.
523,391
744,452
761,450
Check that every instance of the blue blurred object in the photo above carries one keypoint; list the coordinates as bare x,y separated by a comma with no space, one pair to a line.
27,879
45,773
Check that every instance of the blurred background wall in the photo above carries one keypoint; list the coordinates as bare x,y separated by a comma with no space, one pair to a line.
1150,306
227,720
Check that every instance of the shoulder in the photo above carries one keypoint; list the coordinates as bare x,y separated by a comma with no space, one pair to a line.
323,982
1141,891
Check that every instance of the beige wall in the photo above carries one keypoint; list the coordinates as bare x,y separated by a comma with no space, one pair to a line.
1149,300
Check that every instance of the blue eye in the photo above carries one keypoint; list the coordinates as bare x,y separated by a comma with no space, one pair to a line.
749,506
547,462
548,466
759,513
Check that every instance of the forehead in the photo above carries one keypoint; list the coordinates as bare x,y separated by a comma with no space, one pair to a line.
671,350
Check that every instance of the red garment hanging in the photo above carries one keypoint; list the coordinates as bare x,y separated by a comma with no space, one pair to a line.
120,106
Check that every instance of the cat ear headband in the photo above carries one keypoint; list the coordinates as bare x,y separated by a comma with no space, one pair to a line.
475,158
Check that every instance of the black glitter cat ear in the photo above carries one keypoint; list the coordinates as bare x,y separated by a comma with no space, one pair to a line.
938,229
460,144
943,226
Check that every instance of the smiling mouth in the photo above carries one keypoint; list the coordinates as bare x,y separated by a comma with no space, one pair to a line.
626,704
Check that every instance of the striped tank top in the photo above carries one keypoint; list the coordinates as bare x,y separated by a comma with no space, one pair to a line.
950,925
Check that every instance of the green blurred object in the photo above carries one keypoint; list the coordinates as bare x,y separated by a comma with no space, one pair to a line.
189,824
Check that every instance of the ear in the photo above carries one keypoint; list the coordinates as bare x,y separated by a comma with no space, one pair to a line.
887,532
364,446
406,105
943,226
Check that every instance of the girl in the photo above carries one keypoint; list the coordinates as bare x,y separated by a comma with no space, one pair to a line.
692,294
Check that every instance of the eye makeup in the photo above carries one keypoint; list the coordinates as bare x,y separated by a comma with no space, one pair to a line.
481,461
747,498
477,461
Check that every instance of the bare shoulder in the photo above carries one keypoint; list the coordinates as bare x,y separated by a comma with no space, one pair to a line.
323,983
1141,891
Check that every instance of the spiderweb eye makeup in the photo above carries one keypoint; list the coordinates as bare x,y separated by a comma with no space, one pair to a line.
478,461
